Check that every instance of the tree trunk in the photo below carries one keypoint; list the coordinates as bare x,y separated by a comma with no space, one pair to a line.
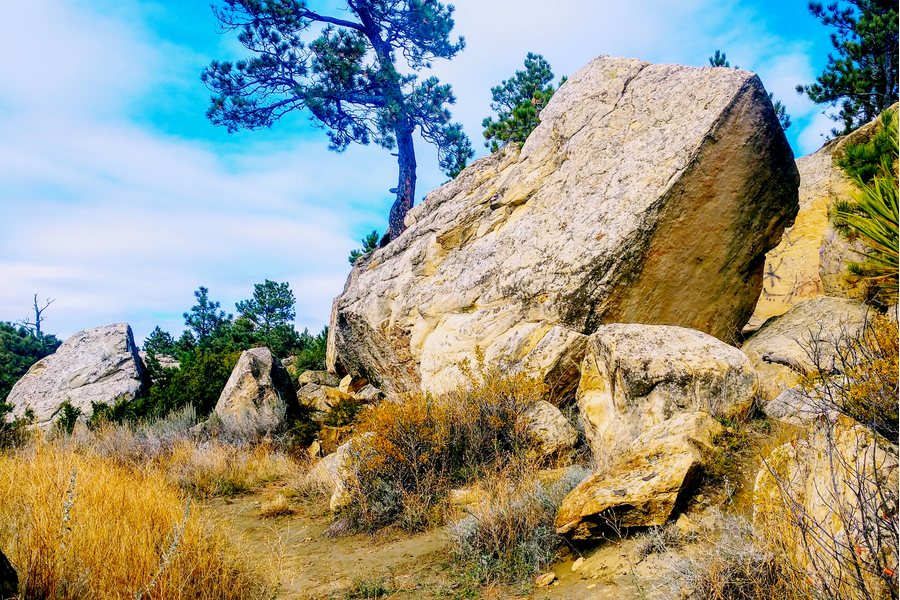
406,187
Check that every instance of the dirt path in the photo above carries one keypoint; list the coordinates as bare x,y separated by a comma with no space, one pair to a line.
312,565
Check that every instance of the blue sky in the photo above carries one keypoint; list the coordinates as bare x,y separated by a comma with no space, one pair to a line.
118,198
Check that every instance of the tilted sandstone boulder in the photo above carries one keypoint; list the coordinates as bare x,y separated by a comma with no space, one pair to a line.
165,361
636,376
648,193
548,427
99,365
811,258
789,336
841,484
259,394
642,487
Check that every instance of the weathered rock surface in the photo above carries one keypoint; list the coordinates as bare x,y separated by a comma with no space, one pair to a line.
643,486
811,258
351,385
318,378
789,335
368,394
335,472
321,397
99,365
825,476
553,434
259,395
9,580
648,193
636,376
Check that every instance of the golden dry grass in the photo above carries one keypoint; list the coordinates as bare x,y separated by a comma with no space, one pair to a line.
216,469
113,533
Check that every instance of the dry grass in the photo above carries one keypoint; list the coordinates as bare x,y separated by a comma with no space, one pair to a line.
737,563
219,469
80,525
421,447
276,506
510,534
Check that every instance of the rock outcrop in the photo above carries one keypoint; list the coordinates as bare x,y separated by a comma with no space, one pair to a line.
636,376
648,193
811,258
643,486
99,365
259,395
790,336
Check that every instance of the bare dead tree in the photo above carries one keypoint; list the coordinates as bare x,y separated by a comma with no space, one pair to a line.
35,325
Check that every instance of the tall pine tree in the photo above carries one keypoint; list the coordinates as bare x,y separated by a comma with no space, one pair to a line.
349,78
862,76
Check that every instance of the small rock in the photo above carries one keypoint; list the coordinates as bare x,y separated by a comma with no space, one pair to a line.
314,449
545,579
577,564
351,385
684,525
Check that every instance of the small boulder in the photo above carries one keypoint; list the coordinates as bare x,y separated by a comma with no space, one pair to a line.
351,384
9,580
642,487
789,336
321,398
99,365
335,473
637,376
259,395
551,431
369,394
330,438
318,378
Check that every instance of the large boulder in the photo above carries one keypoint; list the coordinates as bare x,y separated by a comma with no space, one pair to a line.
648,193
99,365
811,258
839,487
259,395
643,486
815,323
636,376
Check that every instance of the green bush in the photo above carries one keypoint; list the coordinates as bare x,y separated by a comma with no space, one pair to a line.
19,349
68,415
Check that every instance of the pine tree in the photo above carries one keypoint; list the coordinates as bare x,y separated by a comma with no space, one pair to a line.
349,78
272,306
863,75
518,102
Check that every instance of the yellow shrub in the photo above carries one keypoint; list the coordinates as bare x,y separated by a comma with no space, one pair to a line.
83,526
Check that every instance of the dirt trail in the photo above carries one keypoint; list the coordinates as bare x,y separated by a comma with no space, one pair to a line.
312,565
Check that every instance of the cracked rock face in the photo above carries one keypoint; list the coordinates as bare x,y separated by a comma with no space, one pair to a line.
648,194
99,365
